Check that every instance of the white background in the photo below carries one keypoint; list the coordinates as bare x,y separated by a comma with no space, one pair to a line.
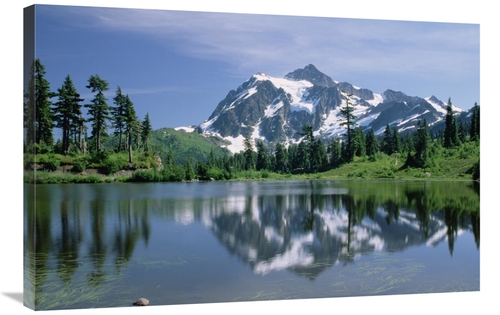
483,12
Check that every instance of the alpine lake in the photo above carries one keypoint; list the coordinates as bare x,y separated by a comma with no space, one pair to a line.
106,245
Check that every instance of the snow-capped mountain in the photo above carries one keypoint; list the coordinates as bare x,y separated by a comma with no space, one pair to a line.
275,109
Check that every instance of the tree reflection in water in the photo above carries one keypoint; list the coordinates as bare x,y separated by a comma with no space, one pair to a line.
92,232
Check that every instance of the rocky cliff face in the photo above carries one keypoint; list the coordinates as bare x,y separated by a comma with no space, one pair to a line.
275,109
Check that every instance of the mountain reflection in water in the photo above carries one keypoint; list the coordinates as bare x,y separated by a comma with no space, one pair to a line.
91,233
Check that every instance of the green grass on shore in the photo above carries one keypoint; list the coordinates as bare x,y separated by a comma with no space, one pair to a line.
451,166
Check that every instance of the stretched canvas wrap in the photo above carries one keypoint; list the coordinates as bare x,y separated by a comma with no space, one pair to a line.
176,157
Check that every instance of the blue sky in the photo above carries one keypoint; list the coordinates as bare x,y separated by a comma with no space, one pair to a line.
178,65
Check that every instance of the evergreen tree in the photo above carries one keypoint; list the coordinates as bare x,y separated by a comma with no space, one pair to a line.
169,160
308,153
387,141
136,132
146,131
348,122
422,144
360,142
319,156
38,111
474,127
132,125
280,159
462,131
249,154
335,152
303,158
119,116
407,143
98,109
450,130
211,159
189,170
262,156
371,143
293,156
396,141
67,112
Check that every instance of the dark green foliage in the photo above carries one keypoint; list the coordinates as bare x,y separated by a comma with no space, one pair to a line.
396,141
450,131
281,159
346,112
146,176
462,131
293,156
174,173
387,141
78,167
335,153
126,124
359,142
190,173
68,114
38,115
119,115
98,109
113,164
475,171
132,126
146,130
303,159
307,154
475,126
422,150
97,157
263,160
319,155
371,143
52,164
249,154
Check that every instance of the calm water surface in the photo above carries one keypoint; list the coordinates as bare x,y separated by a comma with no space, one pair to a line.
106,245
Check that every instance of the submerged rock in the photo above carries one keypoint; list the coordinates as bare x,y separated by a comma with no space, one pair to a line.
141,302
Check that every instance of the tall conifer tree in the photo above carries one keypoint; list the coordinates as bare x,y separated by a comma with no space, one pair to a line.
422,144
335,152
119,116
450,130
249,154
474,128
98,109
371,143
147,130
387,141
38,111
67,112
262,156
281,158
347,113
132,125
308,153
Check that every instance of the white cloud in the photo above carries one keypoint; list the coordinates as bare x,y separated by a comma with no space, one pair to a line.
282,43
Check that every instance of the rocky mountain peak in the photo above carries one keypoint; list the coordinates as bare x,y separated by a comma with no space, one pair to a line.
276,109
312,74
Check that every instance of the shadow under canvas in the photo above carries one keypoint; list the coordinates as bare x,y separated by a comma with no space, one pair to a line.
17,296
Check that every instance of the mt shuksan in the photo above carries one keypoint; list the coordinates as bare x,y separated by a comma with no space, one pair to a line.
275,109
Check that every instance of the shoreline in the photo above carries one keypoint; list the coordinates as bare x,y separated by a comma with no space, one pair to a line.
44,177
